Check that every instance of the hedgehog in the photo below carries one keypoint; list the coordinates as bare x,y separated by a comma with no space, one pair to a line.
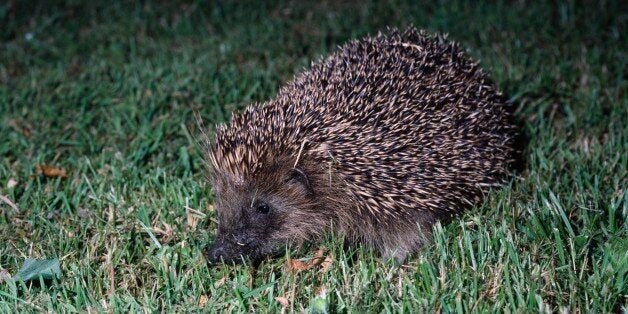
376,143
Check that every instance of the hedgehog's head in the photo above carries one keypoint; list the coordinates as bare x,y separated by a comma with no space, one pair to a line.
260,213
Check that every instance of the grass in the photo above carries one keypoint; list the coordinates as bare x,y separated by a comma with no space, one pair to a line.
108,90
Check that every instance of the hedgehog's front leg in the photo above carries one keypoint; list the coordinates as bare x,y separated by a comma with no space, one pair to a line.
399,255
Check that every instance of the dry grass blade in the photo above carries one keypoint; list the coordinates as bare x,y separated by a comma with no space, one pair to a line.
7,201
283,301
319,258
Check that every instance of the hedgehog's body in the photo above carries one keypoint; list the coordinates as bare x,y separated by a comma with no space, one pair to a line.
378,141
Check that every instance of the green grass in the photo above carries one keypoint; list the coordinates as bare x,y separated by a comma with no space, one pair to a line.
108,92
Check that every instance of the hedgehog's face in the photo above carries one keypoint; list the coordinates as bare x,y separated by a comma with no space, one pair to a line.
258,216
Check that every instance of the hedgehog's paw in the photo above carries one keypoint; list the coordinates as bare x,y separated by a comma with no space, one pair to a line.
398,255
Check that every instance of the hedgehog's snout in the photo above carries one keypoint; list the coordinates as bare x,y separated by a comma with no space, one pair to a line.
214,253
224,251
233,248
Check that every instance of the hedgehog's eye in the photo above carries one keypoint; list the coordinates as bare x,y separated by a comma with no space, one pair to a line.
263,208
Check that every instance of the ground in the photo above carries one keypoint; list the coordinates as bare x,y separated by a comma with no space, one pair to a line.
107,92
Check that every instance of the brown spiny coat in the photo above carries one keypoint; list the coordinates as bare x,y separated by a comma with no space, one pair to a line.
376,142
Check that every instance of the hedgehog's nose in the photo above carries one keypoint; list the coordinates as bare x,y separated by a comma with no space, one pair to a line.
215,253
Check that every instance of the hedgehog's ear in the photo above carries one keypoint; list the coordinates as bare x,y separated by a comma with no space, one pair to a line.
298,176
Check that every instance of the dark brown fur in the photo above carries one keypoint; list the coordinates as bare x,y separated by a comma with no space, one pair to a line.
378,141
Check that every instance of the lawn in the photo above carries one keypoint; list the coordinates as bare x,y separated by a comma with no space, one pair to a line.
107,91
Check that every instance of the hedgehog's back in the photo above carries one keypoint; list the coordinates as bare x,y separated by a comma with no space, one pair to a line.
405,115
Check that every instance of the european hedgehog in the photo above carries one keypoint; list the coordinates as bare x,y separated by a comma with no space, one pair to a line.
377,142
